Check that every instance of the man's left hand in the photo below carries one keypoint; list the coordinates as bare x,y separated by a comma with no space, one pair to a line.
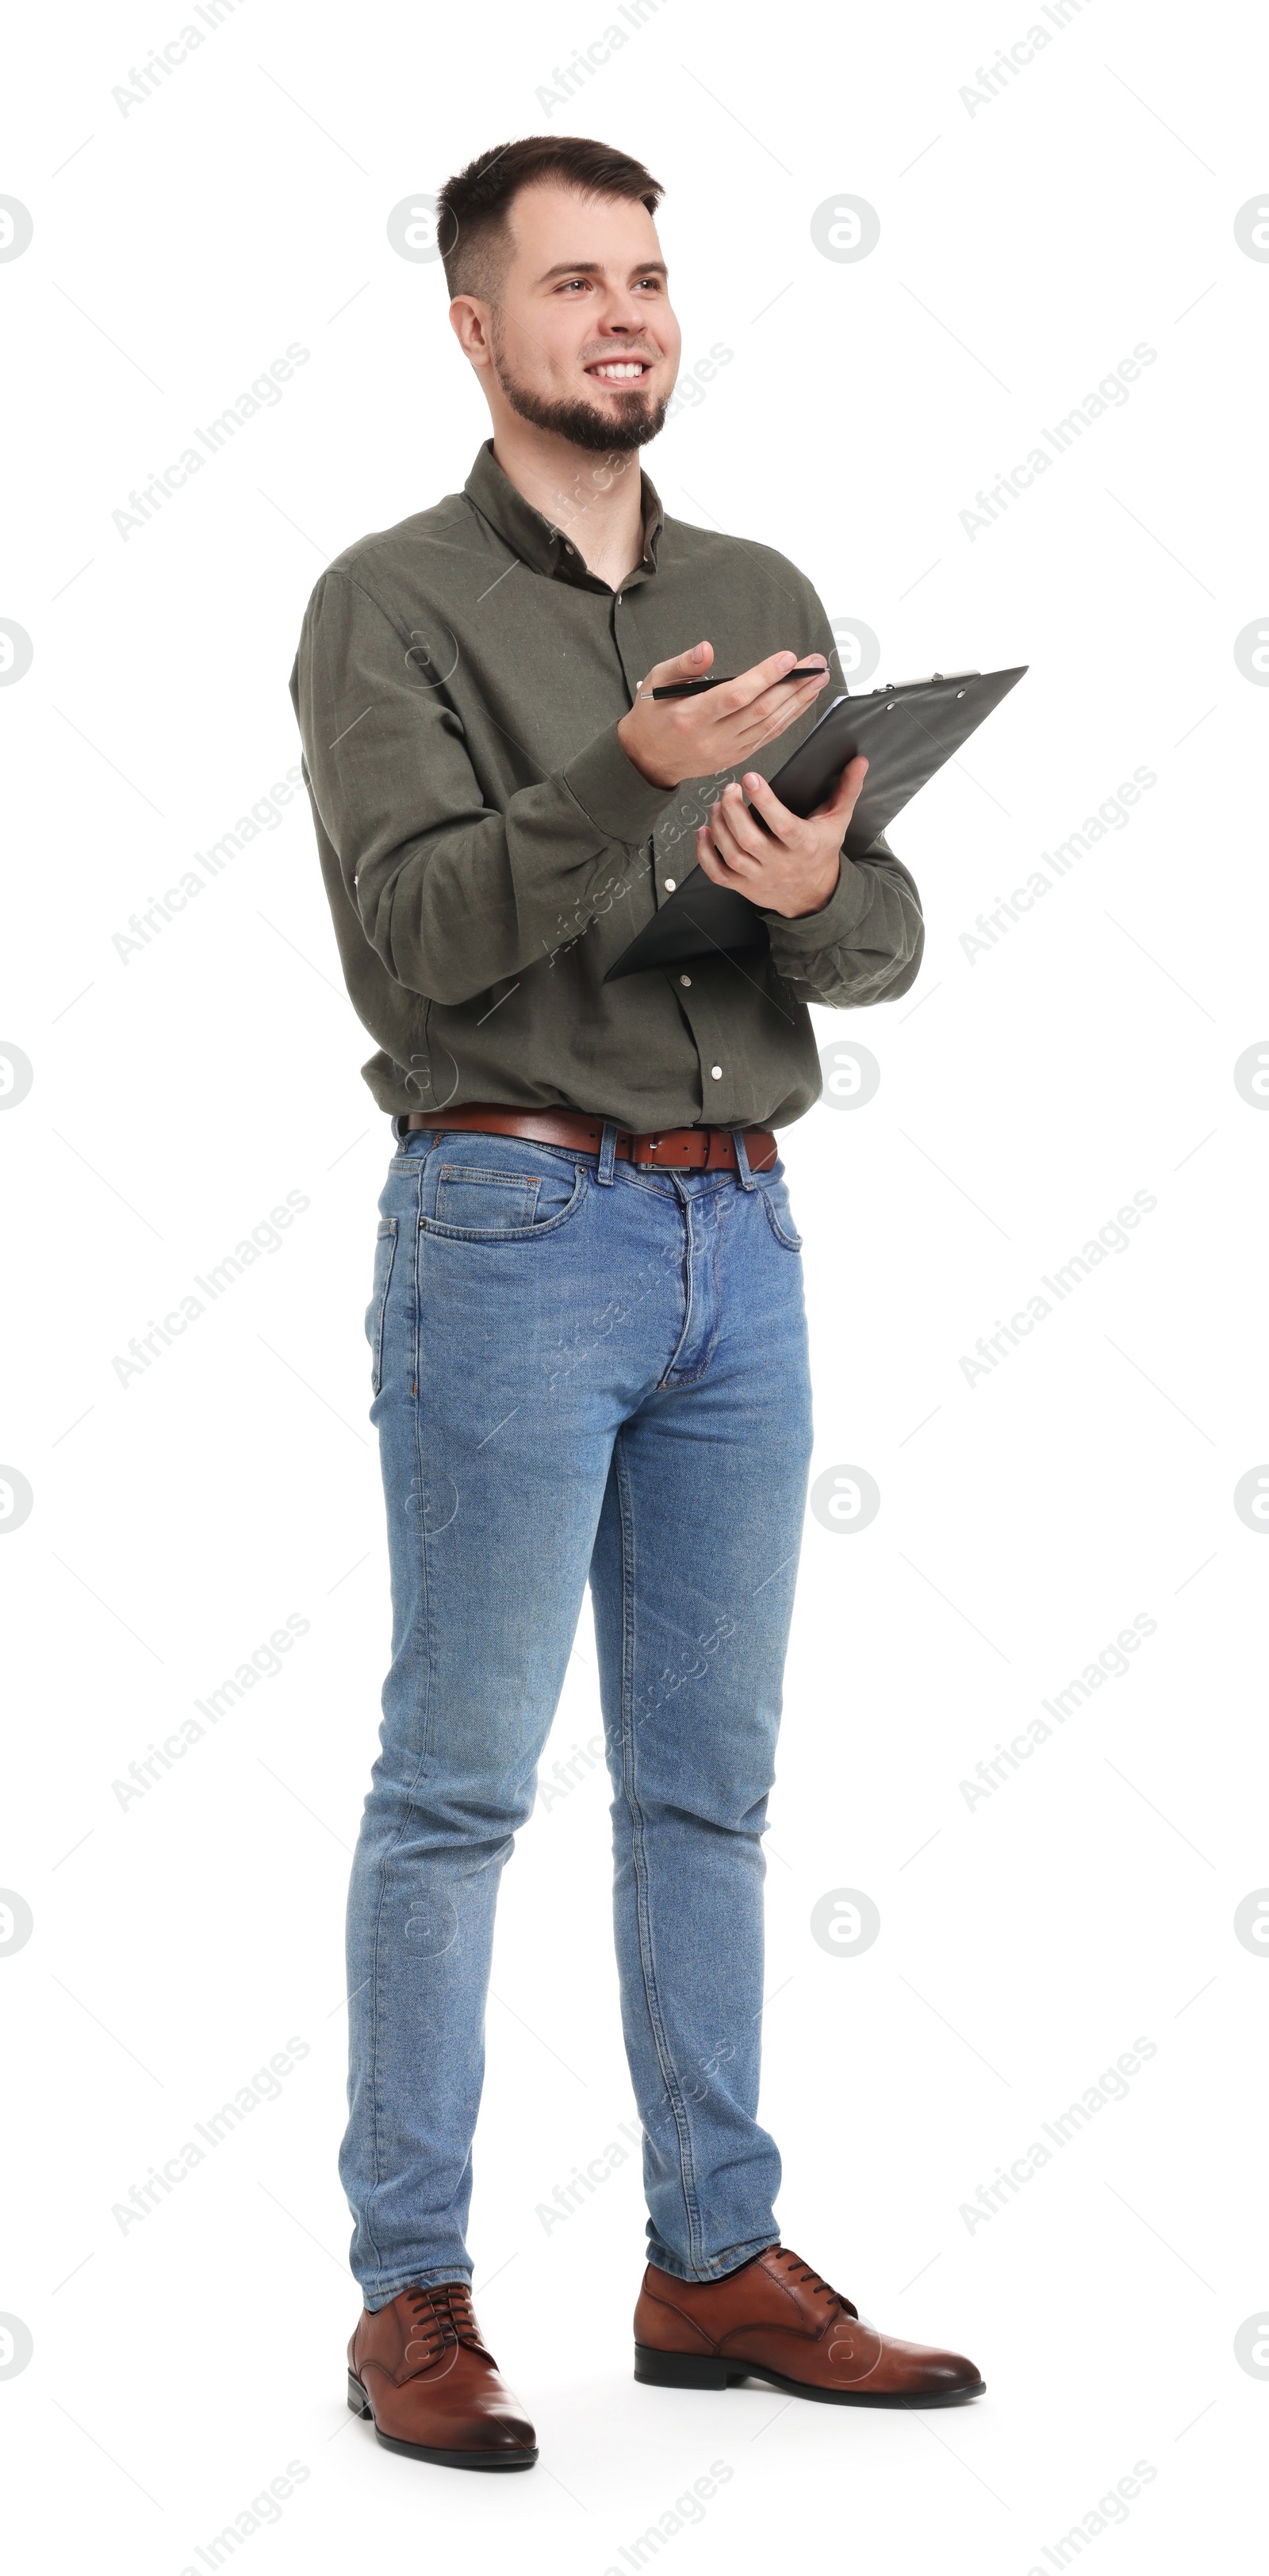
792,867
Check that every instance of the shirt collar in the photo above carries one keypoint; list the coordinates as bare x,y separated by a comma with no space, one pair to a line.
538,542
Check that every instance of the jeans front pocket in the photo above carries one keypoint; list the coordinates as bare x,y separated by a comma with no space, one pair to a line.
775,1199
497,1190
486,1202
385,1249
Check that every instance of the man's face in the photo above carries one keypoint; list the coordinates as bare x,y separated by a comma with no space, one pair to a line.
583,340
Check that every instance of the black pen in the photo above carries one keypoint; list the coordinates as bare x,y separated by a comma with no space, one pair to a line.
720,680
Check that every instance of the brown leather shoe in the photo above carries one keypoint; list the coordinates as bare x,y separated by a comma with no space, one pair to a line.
420,2369
775,2319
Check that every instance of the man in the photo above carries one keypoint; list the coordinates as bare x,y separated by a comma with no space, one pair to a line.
587,1333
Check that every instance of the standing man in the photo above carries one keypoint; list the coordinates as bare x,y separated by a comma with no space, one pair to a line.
588,1345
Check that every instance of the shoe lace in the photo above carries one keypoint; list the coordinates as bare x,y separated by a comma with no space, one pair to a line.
808,2279
442,2319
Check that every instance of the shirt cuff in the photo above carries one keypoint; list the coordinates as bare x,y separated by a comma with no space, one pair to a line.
829,928
616,796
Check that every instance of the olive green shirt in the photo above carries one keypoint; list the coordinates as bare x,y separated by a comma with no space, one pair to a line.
488,849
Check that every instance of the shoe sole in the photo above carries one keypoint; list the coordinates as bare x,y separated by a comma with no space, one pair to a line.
691,2370
359,2404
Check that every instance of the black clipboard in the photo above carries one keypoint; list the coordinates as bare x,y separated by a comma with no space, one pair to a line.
906,733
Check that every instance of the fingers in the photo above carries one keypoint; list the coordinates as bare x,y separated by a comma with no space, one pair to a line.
771,714
749,685
779,821
775,697
707,859
841,804
695,664
733,834
753,683
718,727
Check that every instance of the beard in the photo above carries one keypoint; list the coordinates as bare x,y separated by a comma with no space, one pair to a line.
630,424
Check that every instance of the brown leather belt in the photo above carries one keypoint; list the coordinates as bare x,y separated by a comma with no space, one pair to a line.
675,1149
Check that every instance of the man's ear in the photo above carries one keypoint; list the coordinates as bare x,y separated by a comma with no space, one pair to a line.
470,320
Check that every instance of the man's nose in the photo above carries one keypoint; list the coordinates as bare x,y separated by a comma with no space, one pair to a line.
622,319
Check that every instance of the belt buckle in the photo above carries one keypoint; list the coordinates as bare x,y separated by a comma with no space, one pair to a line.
652,1159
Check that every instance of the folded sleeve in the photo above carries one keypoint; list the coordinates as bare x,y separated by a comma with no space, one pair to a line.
866,944
452,893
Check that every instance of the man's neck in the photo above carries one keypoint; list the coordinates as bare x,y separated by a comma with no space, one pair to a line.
595,498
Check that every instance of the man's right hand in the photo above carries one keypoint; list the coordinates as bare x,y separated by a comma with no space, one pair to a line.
669,739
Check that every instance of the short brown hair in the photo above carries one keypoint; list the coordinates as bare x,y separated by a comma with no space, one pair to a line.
473,207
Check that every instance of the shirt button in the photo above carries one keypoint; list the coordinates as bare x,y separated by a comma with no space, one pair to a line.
685,979
716,1072
670,884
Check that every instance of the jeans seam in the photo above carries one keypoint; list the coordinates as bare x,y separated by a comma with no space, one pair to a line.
387,1233
647,1961
716,1203
425,1624
685,1212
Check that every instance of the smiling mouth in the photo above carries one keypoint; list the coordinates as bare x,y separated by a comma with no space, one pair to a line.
620,371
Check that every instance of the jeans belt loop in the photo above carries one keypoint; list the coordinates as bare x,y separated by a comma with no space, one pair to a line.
743,1173
607,1153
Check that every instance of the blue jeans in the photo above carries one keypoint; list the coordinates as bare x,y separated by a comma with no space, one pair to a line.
581,1370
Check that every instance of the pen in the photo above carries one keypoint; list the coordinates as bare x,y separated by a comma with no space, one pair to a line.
719,680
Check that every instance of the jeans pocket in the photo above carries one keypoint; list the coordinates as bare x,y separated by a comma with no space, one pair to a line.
486,1202
775,1199
479,1201
385,1249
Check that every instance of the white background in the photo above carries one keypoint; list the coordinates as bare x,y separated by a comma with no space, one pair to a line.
1026,1941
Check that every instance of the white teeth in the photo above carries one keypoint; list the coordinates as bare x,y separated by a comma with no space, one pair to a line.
619,368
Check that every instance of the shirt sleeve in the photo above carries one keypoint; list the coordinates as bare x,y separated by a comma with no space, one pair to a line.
451,894
867,942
